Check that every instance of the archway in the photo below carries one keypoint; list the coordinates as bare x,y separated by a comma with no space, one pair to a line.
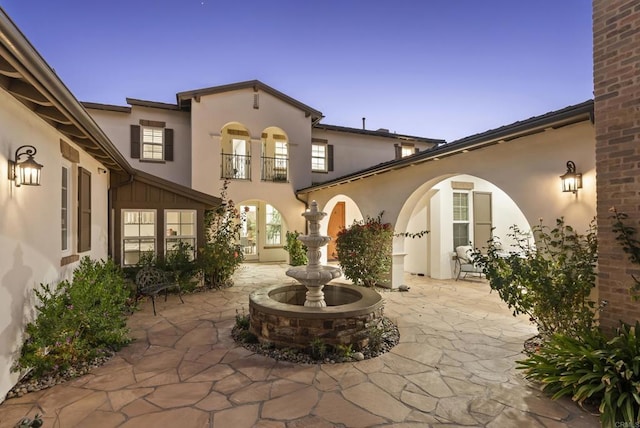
263,232
456,210
235,144
341,212
275,155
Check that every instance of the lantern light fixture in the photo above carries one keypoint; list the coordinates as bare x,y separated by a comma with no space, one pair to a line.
571,180
25,172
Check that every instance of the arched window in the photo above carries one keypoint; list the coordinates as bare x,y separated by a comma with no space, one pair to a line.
275,155
236,152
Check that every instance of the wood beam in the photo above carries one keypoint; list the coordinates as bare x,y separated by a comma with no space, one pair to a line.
26,91
52,113
71,131
7,69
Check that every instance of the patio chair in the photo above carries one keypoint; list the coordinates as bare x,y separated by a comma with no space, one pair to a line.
464,262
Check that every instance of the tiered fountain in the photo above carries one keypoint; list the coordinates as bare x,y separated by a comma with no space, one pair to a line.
294,315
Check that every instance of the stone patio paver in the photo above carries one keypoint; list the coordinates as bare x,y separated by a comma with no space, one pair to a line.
454,366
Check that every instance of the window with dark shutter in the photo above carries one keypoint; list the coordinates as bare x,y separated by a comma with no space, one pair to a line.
84,210
329,157
168,144
135,141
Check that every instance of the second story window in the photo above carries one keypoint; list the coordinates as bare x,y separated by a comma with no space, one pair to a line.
407,150
281,155
319,157
152,143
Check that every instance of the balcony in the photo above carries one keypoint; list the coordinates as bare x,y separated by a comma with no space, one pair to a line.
275,169
236,167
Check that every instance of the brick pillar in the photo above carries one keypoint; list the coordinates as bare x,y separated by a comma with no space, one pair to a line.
616,76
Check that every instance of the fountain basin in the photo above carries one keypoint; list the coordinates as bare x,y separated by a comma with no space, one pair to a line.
278,316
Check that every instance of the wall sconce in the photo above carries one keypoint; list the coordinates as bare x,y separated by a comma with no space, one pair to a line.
571,180
26,172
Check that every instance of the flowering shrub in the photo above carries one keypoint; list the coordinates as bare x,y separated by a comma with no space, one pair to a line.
222,254
550,282
78,320
364,250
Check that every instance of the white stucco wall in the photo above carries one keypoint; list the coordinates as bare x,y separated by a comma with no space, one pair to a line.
30,231
213,112
354,152
527,170
117,127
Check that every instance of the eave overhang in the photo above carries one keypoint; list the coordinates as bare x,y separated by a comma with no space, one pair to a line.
553,120
27,77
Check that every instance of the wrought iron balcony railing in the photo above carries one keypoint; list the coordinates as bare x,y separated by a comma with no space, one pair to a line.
275,169
236,166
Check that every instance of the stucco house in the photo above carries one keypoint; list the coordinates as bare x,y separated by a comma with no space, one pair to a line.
264,142
279,156
81,202
119,180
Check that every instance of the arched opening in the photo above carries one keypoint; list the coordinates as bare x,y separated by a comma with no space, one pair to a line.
456,210
235,142
275,155
263,232
341,212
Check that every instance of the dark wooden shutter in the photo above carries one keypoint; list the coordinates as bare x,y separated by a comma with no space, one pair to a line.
168,144
416,150
398,149
329,157
84,210
135,141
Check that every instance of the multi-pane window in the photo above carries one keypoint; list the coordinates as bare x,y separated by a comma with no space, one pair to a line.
139,235
407,150
319,157
460,219
180,227
152,143
281,155
274,226
65,214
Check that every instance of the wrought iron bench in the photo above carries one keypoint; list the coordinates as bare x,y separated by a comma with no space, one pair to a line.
150,281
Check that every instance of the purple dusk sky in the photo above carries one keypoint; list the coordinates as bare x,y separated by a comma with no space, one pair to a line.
433,68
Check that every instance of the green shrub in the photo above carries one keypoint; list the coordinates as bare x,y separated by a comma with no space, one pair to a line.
180,264
550,282
626,236
364,251
222,254
77,321
317,349
242,320
296,249
591,367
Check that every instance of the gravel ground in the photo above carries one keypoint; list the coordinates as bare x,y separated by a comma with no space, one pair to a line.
390,337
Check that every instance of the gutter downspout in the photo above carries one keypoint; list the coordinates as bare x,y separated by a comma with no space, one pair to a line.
306,207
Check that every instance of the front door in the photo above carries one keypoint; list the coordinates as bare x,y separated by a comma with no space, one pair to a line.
336,224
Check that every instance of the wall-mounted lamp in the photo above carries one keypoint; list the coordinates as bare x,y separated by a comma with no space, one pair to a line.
571,180
25,172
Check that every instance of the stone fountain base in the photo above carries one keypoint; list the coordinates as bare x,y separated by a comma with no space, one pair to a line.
278,316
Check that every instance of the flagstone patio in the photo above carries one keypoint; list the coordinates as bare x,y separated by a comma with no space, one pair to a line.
454,366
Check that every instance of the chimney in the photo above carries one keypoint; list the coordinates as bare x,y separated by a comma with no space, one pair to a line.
364,119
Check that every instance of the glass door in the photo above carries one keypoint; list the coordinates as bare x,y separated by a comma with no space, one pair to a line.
249,232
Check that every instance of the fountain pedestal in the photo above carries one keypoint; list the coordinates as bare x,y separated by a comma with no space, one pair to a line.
292,315
314,276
